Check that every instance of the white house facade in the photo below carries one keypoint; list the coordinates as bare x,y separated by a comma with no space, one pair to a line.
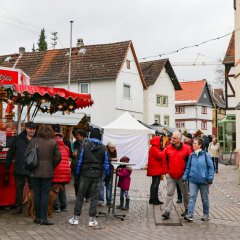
194,107
159,97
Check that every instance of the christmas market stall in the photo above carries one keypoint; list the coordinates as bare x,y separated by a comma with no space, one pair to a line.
17,95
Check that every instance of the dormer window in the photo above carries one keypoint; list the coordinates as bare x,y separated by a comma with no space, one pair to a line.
204,95
128,64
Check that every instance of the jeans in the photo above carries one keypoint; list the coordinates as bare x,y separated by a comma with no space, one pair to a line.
193,191
171,186
93,185
61,199
108,191
20,181
41,188
154,188
215,163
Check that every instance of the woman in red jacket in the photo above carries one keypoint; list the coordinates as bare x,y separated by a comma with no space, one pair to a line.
62,174
155,168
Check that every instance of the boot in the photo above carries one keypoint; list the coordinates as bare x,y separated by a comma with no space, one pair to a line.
121,203
126,207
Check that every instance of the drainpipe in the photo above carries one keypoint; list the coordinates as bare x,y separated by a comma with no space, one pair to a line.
196,117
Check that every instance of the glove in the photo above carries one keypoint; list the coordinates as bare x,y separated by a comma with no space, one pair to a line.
107,180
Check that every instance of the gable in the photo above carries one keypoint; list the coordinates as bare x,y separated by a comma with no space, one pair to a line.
205,98
152,69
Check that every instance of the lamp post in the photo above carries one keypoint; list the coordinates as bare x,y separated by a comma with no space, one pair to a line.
70,56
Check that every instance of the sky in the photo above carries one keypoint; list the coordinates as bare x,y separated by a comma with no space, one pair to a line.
154,26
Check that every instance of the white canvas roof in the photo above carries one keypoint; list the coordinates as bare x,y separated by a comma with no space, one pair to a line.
127,124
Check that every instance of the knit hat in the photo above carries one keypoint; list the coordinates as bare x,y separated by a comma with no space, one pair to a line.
124,159
189,135
111,144
95,133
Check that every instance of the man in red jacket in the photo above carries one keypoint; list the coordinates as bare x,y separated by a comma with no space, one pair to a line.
175,157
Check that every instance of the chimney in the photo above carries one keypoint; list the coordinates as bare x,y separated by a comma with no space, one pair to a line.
80,42
21,49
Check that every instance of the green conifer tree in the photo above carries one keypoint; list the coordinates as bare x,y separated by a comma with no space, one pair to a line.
42,44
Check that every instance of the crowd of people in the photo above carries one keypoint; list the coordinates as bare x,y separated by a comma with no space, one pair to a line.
188,163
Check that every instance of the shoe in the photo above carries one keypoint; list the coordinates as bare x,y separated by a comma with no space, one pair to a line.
37,220
184,213
188,218
166,215
179,201
46,222
92,222
57,210
73,220
17,211
204,218
63,209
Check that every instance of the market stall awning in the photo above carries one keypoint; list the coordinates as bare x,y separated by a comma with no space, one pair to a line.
49,99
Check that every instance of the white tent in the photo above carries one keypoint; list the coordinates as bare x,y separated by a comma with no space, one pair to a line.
131,138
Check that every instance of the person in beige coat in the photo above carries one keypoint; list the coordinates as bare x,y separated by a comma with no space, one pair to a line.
214,149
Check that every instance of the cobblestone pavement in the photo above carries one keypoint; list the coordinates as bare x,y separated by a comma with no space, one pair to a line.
139,223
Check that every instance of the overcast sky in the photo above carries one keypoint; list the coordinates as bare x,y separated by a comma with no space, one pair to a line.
154,26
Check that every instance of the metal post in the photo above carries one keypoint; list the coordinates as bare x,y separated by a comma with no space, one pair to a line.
70,56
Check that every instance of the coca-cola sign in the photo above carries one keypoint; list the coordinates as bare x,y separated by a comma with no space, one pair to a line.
8,77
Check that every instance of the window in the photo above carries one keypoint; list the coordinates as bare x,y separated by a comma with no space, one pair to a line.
162,100
204,125
128,64
166,120
126,91
204,110
83,88
180,124
180,109
157,118
204,95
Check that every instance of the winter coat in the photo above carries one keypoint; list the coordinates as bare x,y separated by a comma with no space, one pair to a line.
16,152
62,173
93,159
214,150
124,178
175,159
199,168
155,158
49,157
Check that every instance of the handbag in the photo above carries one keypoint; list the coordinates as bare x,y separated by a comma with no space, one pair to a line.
31,159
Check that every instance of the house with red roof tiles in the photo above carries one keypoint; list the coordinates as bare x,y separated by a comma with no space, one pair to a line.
159,97
194,107
109,72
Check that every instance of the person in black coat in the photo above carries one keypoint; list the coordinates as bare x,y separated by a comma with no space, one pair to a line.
16,152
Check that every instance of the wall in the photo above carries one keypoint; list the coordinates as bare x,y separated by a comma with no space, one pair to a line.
163,86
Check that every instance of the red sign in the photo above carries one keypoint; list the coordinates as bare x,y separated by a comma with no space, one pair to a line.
8,77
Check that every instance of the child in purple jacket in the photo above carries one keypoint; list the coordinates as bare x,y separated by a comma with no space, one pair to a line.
124,173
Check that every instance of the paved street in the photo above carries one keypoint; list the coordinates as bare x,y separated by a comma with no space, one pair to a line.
139,222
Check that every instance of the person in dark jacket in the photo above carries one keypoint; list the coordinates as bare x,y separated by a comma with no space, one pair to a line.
16,152
80,135
155,168
93,159
49,157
